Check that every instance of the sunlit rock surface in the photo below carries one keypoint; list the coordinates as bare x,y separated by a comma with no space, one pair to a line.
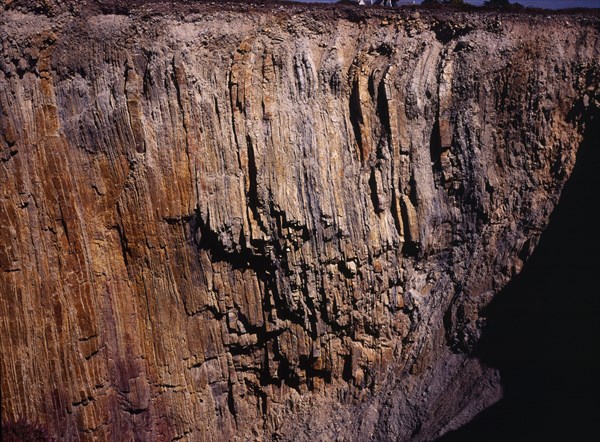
225,221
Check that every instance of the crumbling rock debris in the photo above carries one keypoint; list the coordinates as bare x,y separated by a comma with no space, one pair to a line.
284,224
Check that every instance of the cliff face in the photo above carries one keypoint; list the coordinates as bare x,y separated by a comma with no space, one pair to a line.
265,221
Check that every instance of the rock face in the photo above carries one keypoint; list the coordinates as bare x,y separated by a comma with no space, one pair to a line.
260,221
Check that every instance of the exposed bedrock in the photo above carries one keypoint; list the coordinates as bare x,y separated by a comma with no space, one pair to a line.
283,222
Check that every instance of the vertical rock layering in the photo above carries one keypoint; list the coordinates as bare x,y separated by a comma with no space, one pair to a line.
235,221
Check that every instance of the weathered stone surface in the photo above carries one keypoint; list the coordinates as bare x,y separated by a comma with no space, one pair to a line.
270,222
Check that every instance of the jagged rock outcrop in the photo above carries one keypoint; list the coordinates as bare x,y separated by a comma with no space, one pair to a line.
242,221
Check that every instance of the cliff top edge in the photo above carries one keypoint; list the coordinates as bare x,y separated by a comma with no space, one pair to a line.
323,11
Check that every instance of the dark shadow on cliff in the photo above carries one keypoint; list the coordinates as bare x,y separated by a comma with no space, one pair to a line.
543,330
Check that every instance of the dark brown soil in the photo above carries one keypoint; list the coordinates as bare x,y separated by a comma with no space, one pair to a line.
321,10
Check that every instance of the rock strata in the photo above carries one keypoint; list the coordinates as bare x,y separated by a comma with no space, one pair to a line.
243,221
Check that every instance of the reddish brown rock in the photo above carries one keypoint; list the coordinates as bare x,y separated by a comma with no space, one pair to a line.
270,222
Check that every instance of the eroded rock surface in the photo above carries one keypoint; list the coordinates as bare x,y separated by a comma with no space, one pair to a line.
265,221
